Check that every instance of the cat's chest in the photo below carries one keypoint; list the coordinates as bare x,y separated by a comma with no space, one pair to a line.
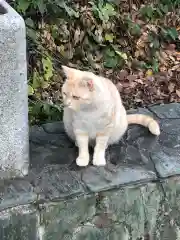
91,122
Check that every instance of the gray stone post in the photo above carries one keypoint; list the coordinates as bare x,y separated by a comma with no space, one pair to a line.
14,148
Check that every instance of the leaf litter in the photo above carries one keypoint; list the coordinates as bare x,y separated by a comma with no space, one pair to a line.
137,46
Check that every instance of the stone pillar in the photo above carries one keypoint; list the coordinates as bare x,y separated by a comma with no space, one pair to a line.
14,149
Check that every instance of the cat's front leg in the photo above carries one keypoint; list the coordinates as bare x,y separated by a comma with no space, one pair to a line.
100,148
82,140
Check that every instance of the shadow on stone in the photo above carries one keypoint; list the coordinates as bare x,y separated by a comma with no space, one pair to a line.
2,10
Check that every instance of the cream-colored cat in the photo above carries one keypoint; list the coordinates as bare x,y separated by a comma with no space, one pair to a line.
94,112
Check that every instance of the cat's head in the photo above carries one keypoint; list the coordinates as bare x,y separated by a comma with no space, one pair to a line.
78,89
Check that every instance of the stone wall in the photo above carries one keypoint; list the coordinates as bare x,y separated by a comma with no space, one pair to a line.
136,196
138,211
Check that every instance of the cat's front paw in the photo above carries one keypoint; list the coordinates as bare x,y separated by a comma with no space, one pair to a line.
99,161
82,161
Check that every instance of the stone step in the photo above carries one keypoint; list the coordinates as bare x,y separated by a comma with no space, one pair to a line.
136,196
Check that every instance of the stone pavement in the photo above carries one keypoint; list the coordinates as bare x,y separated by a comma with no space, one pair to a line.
136,196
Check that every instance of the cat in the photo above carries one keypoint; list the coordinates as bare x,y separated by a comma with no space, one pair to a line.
93,112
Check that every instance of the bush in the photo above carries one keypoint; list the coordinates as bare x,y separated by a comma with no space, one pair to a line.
104,37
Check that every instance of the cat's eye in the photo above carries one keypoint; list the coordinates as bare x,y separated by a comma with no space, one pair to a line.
76,98
64,93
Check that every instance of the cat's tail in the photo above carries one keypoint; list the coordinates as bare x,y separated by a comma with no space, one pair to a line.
145,121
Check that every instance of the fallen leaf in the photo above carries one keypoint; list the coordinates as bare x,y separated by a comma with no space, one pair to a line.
139,81
171,47
176,67
122,75
178,56
132,77
45,84
178,93
109,37
171,87
149,73
30,90
126,85
77,35
138,100
140,53
122,55
57,86
150,78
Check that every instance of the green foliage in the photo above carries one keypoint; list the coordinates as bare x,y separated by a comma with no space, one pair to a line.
41,79
147,12
40,112
103,10
169,33
152,12
43,6
99,36
172,3
154,65
47,67
133,28
110,58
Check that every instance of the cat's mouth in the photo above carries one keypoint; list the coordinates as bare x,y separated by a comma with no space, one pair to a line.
66,105
70,107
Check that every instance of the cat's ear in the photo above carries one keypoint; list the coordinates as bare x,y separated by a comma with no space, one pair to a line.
89,83
66,70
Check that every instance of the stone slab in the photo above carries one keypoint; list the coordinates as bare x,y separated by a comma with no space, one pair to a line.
171,110
56,182
127,199
141,110
112,177
14,150
16,192
61,219
20,223
168,219
166,153
126,213
129,212
127,162
50,145
138,157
